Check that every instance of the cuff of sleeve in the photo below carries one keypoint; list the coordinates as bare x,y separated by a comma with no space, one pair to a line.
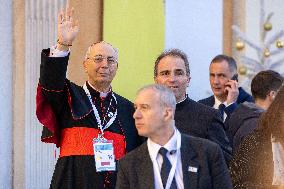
54,52
230,108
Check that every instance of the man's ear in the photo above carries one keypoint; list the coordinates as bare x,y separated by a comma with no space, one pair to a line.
188,81
169,113
155,79
85,66
271,95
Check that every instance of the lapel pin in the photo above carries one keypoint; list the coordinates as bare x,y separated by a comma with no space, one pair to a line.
192,169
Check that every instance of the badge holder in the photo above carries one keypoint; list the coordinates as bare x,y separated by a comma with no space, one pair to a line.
104,154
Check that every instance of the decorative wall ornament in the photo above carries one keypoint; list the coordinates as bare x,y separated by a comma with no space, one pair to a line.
267,49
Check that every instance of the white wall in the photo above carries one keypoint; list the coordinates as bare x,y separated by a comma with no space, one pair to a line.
196,27
6,94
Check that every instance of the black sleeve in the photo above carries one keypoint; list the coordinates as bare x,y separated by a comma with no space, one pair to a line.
217,134
52,80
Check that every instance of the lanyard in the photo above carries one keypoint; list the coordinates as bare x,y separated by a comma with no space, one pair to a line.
174,165
101,127
173,169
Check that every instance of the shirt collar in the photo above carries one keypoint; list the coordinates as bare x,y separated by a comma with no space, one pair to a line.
185,97
96,93
218,102
171,145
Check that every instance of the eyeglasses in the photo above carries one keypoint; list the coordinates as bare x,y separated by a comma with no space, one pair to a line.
99,59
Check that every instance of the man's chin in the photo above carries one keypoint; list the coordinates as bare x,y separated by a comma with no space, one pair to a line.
218,92
141,133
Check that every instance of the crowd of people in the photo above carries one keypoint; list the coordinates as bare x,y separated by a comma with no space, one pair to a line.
164,139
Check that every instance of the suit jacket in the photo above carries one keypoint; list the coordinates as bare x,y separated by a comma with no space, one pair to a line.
198,120
135,170
243,97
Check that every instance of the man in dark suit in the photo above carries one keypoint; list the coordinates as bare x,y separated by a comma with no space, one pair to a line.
224,84
169,159
172,70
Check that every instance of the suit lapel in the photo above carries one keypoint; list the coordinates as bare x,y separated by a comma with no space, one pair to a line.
145,168
190,166
211,101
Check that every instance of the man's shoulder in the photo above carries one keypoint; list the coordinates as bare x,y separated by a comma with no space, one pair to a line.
202,108
136,154
244,96
198,143
247,109
209,101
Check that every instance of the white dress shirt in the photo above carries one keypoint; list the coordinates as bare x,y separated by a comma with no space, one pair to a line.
217,104
173,145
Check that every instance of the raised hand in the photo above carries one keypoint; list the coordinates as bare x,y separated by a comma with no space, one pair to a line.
67,28
232,90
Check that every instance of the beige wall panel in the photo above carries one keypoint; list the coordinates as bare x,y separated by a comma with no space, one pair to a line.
227,23
89,14
233,14
19,93
238,19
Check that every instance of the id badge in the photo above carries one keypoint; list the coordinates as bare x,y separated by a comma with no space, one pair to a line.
104,155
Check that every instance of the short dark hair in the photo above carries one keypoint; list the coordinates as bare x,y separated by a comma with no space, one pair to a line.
174,53
264,82
230,60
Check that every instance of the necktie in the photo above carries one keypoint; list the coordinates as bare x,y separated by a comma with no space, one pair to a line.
222,109
166,168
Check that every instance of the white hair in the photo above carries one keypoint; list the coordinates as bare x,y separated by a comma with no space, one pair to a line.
104,42
167,97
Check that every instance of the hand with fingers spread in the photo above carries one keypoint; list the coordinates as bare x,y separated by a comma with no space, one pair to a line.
67,28
232,90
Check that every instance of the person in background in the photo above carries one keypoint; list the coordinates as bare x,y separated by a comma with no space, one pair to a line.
172,70
259,161
224,85
243,120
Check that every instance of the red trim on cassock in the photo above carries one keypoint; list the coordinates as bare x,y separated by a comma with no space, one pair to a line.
79,141
46,117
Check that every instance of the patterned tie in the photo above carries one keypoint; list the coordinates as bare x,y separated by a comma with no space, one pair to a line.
222,109
166,168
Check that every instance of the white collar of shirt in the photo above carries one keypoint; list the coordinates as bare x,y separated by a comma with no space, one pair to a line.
218,102
170,145
102,94
173,144
185,97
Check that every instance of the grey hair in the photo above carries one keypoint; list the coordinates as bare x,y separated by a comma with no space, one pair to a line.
167,97
230,60
104,42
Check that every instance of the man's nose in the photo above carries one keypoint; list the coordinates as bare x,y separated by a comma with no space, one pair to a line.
216,79
137,114
172,77
104,63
